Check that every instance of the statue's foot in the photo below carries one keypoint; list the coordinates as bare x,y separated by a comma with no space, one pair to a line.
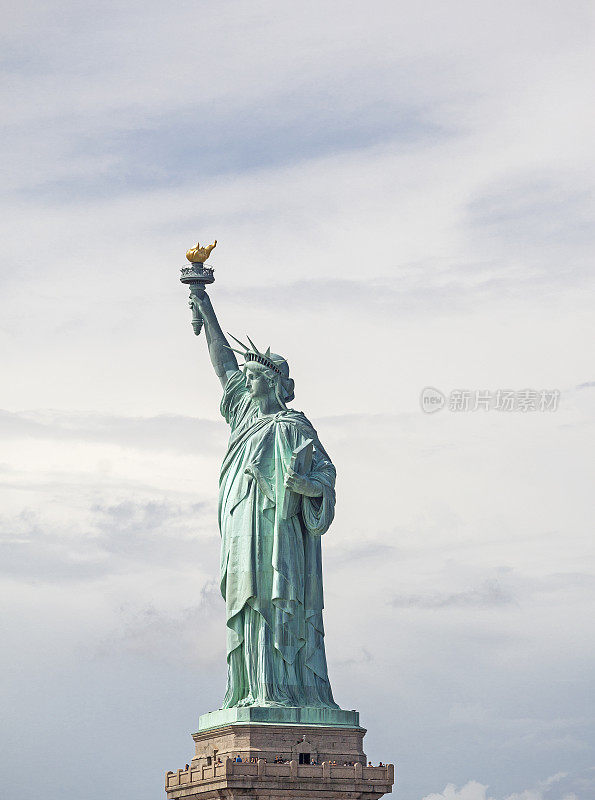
246,701
274,704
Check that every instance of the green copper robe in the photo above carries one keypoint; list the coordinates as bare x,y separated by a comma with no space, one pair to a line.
271,568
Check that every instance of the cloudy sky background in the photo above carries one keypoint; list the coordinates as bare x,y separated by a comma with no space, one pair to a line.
402,194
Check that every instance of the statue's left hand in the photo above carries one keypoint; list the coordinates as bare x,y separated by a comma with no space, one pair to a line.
200,300
301,484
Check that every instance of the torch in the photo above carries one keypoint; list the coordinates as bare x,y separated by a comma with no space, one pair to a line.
197,275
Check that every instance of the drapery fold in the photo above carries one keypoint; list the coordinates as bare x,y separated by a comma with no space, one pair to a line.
271,568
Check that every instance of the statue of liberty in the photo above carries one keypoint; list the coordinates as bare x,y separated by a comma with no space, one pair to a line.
271,566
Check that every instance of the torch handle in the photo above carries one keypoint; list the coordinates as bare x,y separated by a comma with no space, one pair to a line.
197,320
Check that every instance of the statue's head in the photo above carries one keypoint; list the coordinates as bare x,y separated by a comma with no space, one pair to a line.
267,371
262,379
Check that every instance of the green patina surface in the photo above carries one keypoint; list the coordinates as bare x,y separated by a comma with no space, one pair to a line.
271,561
271,568
334,717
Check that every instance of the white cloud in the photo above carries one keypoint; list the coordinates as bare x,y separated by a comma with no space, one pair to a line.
545,790
470,791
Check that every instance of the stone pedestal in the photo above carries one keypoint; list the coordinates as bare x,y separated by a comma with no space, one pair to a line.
279,761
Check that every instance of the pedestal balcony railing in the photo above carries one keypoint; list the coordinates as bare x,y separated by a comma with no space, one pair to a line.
263,769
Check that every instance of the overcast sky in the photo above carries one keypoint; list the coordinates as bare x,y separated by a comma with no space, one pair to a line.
402,195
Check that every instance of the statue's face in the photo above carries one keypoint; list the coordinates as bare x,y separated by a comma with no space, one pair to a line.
257,382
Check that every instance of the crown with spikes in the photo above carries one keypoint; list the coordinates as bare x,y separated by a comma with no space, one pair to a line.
254,354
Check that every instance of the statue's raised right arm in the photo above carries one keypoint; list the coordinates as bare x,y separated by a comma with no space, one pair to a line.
222,357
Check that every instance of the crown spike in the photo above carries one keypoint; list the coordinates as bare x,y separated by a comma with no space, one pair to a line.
240,352
238,341
254,347
268,352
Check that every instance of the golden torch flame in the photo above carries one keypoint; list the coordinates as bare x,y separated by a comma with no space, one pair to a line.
198,254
